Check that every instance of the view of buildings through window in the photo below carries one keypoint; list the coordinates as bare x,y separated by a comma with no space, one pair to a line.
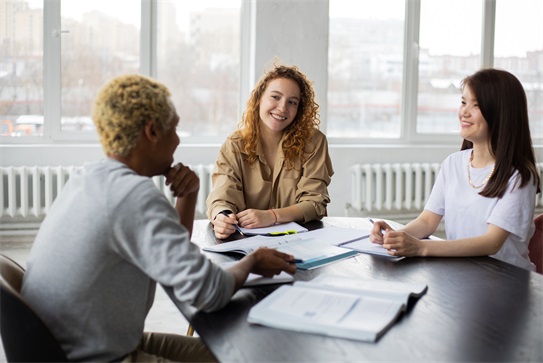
97,46
450,49
366,62
21,69
198,58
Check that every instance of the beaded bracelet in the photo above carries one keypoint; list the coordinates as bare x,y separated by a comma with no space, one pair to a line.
275,215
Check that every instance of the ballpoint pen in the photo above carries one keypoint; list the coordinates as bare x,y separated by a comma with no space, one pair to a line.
225,213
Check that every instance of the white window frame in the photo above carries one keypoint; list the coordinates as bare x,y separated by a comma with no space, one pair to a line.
53,134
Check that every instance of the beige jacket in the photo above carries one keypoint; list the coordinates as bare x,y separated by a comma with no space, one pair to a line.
238,186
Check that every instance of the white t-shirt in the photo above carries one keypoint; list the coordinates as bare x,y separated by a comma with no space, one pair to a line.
467,213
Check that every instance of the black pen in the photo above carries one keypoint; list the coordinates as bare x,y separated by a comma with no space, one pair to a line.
225,213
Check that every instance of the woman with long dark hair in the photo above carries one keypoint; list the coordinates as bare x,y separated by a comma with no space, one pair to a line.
486,191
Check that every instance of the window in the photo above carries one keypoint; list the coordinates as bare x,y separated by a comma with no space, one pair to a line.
21,68
197,50
198,57
394,66
100,40
365,62
450,49
366,65
519,49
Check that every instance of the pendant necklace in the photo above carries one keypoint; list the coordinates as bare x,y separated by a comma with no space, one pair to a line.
469,174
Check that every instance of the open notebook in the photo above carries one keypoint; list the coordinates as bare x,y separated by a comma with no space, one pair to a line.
276,228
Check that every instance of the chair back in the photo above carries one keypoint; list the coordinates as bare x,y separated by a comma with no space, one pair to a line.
535,247
24,335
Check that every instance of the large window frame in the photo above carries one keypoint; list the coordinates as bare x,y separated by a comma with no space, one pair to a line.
53,134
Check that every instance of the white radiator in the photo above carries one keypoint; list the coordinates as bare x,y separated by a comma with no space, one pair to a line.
397,188
392,187
29,191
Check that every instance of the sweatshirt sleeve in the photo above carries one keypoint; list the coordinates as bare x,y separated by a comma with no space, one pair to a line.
147,232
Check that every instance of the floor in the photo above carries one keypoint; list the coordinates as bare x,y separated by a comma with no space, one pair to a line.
163,317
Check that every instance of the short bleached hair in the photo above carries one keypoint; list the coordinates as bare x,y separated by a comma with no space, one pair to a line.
124,106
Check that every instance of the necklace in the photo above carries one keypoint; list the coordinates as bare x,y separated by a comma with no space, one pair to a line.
469,174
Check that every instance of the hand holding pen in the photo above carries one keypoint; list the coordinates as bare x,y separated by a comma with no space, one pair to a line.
225,213
378,231
225,224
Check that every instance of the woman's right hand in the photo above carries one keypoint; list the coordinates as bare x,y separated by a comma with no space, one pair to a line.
223,225
377,234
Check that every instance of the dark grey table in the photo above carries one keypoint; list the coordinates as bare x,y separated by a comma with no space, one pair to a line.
475,309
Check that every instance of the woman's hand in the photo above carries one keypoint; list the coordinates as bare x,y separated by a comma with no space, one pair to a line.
401,243
378,232
255,218
223,225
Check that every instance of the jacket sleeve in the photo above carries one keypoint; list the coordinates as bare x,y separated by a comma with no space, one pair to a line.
312,191
227,192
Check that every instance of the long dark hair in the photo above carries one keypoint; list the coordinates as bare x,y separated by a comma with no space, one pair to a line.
502,101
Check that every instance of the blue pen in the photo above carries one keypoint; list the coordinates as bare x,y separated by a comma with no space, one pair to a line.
225,213
296,260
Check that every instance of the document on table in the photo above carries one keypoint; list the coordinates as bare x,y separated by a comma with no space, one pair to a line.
276,228
316,248
339,306
366,246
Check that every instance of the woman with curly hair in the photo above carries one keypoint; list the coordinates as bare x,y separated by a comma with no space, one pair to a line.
275,168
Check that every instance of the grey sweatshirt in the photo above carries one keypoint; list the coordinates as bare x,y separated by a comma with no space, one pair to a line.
92,271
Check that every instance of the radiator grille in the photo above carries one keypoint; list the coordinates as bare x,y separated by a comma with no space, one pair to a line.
397,188
29,191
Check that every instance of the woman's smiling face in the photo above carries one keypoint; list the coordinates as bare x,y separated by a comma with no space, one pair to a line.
279,104
473,126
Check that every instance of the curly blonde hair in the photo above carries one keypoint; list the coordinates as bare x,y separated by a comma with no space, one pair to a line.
301,129
123,107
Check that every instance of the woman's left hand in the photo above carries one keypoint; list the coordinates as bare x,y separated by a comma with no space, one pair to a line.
255,218
400,243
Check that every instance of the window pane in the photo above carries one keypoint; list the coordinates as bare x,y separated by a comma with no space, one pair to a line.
450,49
519,49
199,60
365,68
102,42
21,68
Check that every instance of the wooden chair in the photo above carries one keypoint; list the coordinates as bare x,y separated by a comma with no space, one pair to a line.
24,335
535,247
